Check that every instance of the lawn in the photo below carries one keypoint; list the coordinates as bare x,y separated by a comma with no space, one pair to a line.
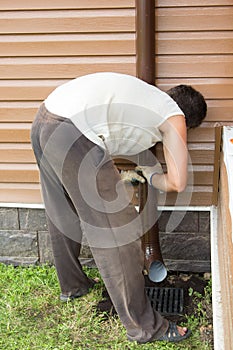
32,316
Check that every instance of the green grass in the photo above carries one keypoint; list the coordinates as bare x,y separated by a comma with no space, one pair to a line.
32,317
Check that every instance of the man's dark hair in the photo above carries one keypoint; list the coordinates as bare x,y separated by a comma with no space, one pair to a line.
191,102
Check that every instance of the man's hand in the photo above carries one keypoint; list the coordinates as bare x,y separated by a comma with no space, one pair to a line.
149,171
131,176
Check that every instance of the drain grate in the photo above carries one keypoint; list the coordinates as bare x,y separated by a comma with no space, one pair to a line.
167,301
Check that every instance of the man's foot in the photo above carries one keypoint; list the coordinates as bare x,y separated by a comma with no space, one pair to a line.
175,333
79,293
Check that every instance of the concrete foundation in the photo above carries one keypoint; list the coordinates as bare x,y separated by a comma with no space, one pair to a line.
184,238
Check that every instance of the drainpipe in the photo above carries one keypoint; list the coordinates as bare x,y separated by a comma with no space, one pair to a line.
145,40
145,70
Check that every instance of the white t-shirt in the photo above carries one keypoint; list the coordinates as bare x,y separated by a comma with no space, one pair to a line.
116,111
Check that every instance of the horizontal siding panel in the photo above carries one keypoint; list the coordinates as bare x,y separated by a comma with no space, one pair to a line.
200,176
33,90
86,21
200,197
19,173
194,19
16,153
199,155
196,156
201,134
20,193
203,157
83,21
67,45
173,43
113,44
18,111
30,193
12,132
187,3
101,4
66,67
23,172
220,110
193,196
204,177
204,136
195,66
61,4
199,170
123,44
27,90
211,88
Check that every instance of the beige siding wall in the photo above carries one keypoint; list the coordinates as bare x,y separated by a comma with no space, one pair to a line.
194,46
45,43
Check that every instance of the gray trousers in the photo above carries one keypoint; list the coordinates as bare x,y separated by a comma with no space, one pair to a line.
82,192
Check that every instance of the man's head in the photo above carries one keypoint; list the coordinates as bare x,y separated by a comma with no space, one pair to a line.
191,102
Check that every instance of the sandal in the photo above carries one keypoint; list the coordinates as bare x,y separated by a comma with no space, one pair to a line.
172,334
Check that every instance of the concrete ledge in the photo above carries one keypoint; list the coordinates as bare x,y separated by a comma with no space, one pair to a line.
18,261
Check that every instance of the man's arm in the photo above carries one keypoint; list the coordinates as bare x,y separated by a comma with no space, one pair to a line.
174,132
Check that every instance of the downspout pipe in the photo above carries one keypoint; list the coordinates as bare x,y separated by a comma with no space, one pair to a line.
145,70
145,40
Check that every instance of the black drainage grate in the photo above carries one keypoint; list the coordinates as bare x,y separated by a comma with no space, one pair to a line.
167,301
